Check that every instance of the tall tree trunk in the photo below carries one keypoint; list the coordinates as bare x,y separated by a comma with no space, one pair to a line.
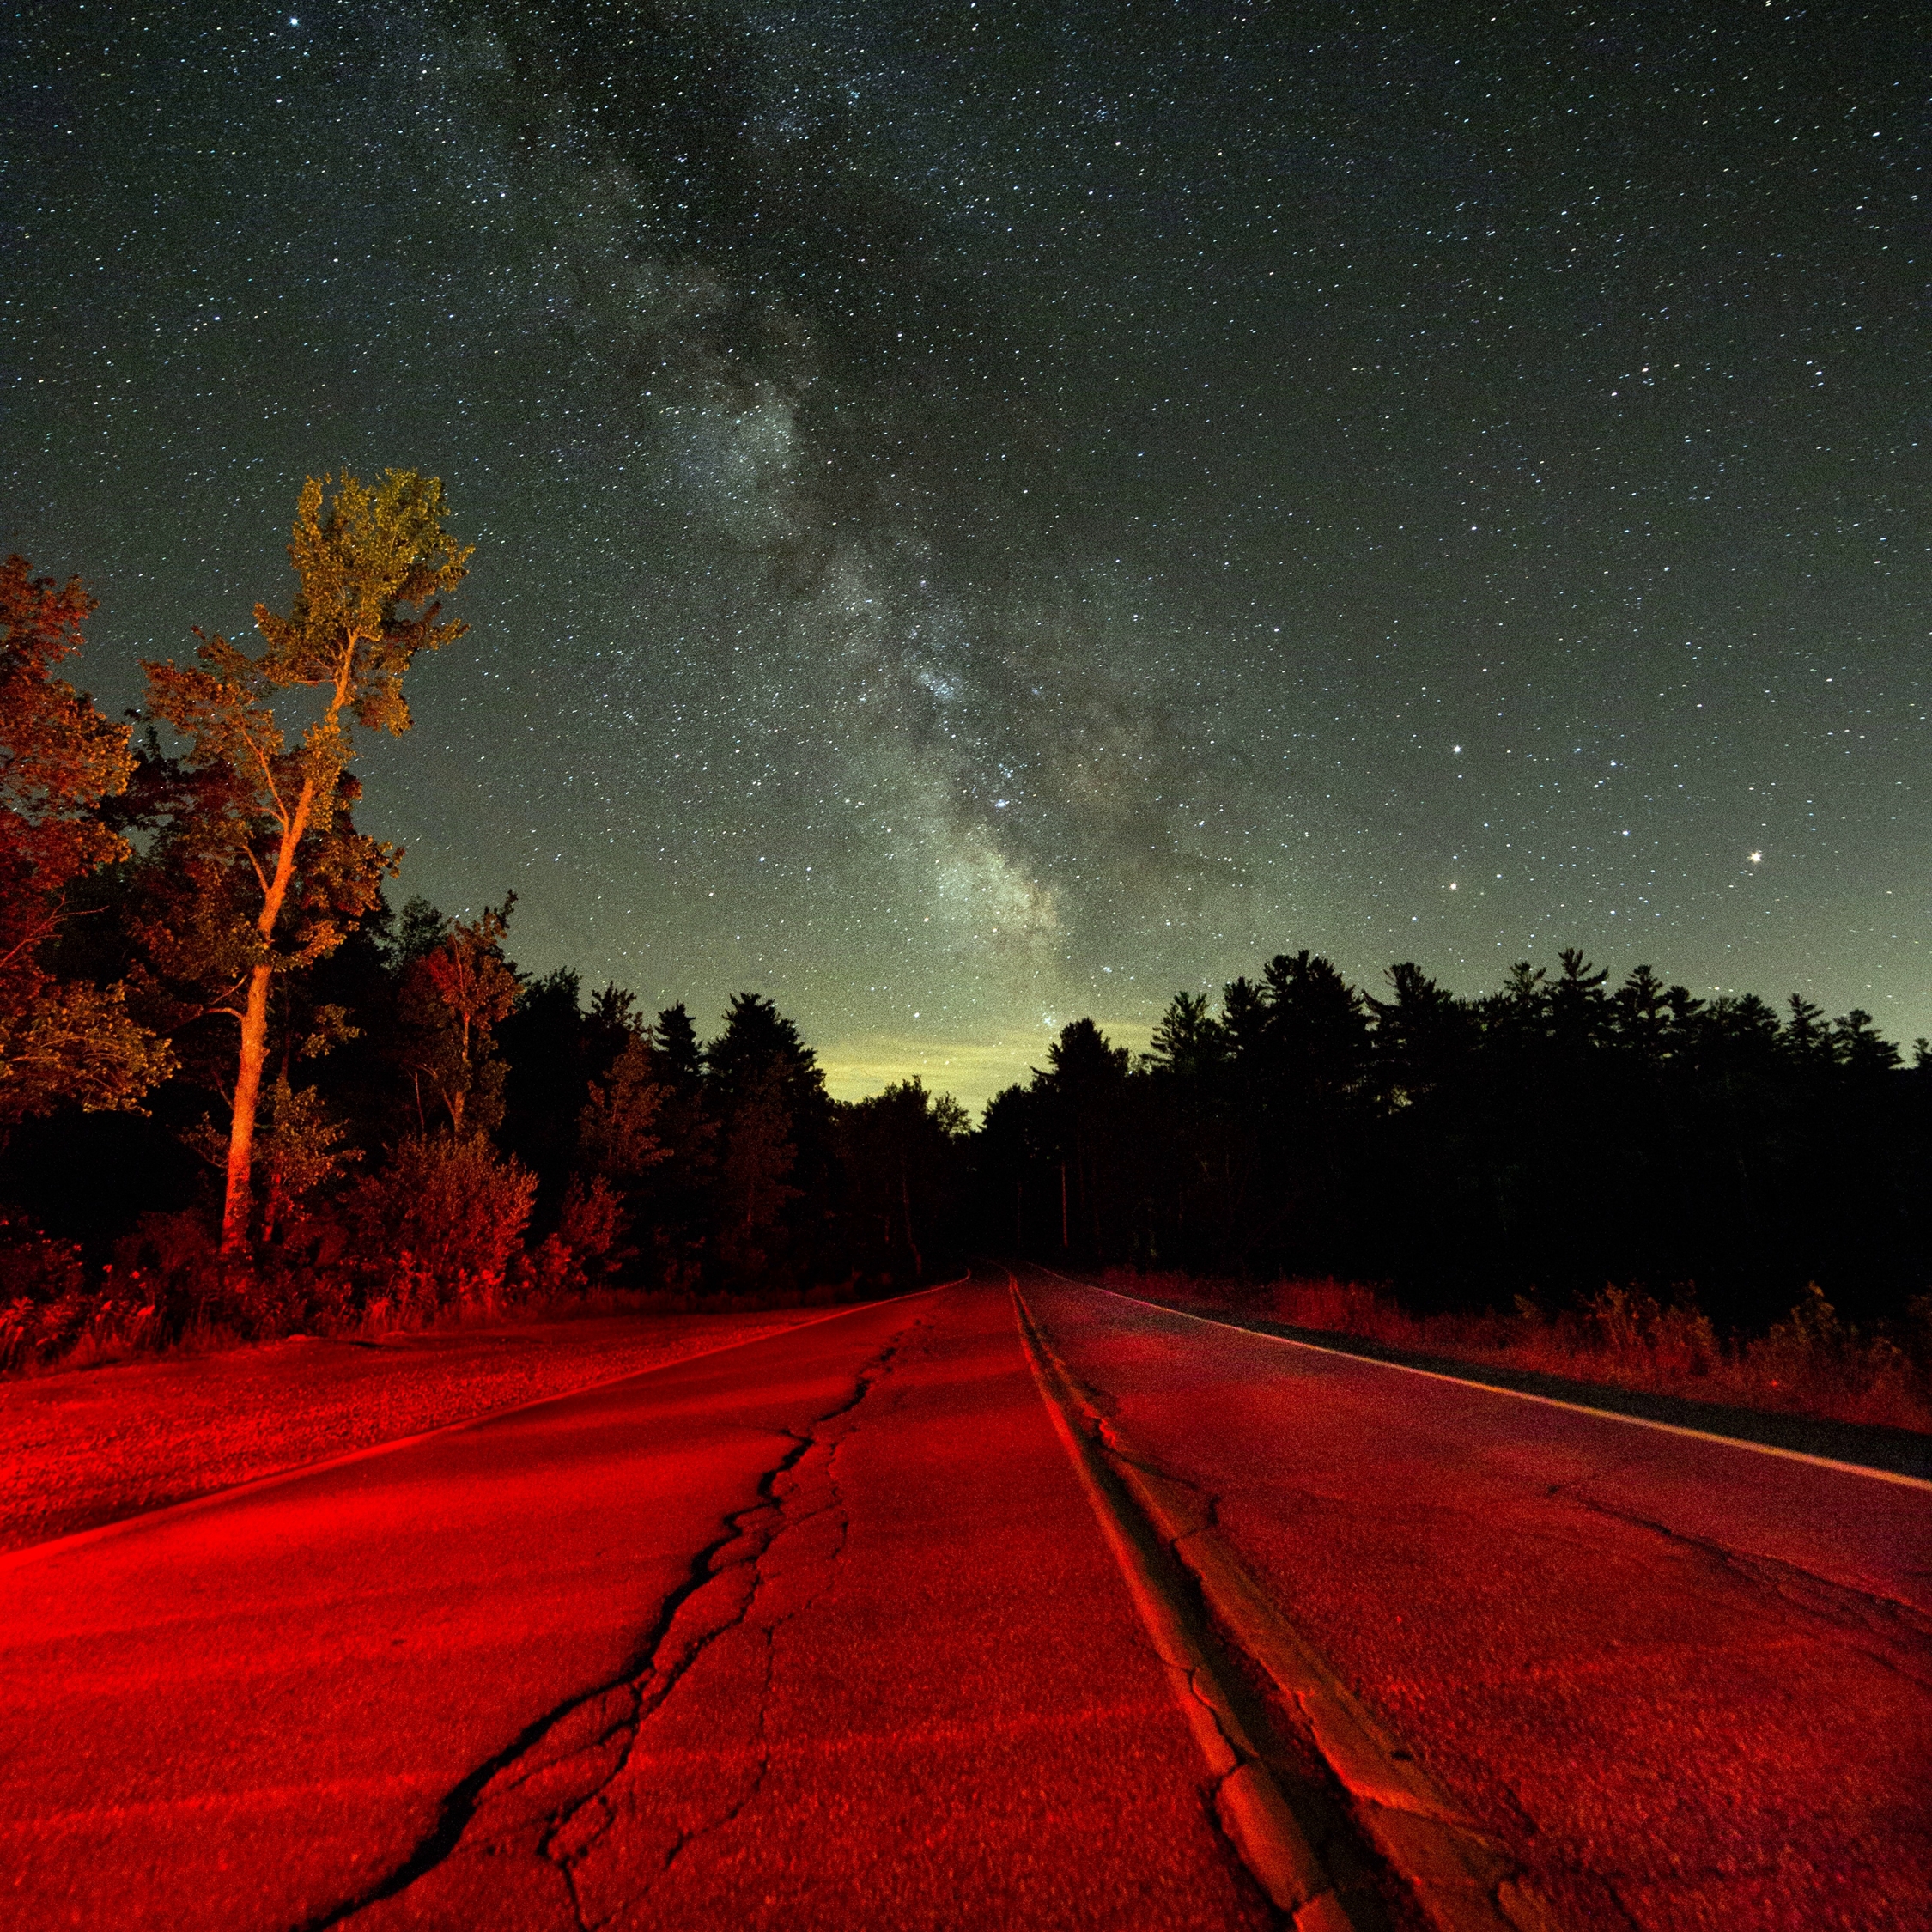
247,1098
254,1030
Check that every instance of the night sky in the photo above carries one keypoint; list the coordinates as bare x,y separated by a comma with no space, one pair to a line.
988,514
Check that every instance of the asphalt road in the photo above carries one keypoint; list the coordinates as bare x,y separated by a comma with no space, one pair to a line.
820,1631
1686,1683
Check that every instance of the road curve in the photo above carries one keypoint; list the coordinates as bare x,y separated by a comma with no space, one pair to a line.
815,1632
1686,1683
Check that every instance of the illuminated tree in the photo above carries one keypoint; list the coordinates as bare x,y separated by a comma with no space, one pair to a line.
372,562
61,1041
620,1131
454,998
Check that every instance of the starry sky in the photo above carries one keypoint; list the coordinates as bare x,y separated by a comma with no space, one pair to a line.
990,513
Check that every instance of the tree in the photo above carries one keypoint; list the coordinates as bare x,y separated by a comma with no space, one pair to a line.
902,1153
61,1041
763,1088
454,997
676,1039
1189,1040
1088,1074
278,815
621,1129
761,1157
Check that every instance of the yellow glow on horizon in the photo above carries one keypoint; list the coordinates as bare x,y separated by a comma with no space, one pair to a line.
971,1071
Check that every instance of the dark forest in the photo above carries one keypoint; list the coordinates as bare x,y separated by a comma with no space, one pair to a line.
240,1089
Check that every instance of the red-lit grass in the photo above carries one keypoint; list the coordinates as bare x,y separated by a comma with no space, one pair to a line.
1811,1362
84,1446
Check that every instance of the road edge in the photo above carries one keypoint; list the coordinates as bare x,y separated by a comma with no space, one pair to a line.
1481,1377
1247,1801
1463,1880
274,1479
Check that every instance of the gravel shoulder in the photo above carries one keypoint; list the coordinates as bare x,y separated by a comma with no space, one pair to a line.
89,1446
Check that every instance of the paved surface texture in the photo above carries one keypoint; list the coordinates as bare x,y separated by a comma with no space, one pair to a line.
815,1632
81,1447
1687,1683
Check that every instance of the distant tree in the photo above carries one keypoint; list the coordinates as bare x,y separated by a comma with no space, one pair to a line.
372,563
677,1041
1085,1082
1642,1013
901,1153
761,1157
63,1040
1421,1036
758,1039
419,928
1579,1011
612,1022
1858,1046
548,1043
763,1087
621,1132
1808,1034
676,1199
1189,1040
454,997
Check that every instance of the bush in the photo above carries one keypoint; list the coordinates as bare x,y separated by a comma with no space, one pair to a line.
33,1267
447,1216
173,1261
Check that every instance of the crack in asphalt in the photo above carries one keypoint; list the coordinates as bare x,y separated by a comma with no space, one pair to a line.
619,1710
833,1507
1900,1633
758,1529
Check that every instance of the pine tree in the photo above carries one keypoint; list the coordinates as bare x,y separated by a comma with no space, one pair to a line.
276,819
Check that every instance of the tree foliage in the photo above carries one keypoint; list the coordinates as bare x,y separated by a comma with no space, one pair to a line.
270,831
63,1040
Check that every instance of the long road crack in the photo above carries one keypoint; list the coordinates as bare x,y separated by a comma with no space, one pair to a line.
1890,1632
553,1792
831,1510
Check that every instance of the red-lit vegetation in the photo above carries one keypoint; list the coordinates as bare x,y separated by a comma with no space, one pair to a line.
248,1100
242,1098
81,1448
1811,1363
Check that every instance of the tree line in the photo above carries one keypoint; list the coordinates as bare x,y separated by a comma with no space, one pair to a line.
1556,1134
231,1073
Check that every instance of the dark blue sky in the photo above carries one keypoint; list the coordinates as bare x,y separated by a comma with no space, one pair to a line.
993,512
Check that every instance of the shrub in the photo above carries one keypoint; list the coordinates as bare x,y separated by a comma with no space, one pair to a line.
33,1267
447,1217
173,1261
593,1226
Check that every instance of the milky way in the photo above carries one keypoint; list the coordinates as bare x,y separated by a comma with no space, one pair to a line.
989,513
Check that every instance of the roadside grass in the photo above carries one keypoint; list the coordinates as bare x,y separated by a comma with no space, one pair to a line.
83,1325
83,1446
1813,1363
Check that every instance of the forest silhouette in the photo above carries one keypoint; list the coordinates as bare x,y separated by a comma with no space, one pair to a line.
238,1089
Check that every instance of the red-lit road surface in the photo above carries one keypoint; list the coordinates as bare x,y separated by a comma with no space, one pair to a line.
815,1632
1685,1682
821,1631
